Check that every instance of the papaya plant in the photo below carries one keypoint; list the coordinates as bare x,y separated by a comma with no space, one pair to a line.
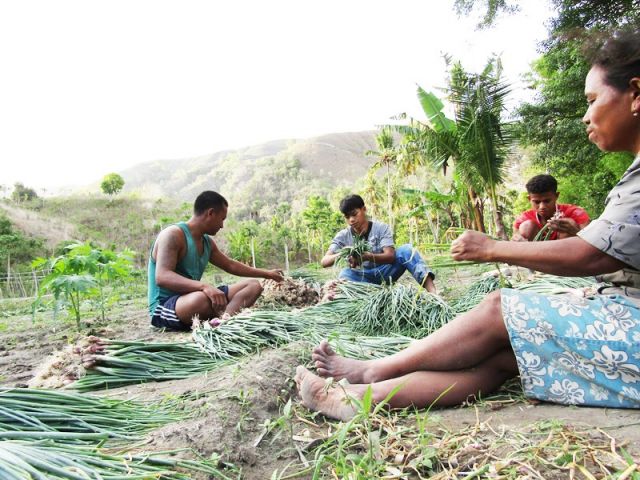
83,272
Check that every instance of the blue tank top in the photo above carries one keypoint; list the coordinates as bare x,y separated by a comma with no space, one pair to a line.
192,266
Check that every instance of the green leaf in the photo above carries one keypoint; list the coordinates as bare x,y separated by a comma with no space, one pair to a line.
432,107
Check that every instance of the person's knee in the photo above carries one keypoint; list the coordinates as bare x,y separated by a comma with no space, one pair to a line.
194,303
493,302
345,274
528,230
405,252
197,300
492,311
256,287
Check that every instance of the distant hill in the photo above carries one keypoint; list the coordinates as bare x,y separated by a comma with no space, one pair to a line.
259,176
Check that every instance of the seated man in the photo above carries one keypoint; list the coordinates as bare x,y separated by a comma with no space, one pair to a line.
383,263
564,220
177,261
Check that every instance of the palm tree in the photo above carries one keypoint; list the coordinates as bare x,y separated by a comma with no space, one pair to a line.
485,138
476,142
388,155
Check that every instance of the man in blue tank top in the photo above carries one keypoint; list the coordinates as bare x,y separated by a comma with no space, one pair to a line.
178,259
383,263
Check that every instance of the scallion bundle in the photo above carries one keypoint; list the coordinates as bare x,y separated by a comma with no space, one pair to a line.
125,363
38,414
50,460
357,250
398,309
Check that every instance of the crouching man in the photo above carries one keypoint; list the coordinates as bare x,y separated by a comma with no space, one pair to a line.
179,257
383,263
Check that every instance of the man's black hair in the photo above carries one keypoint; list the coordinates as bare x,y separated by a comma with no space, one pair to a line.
209,199
349,203
542,184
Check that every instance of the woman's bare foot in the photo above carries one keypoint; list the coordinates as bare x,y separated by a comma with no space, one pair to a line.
330,364
332,402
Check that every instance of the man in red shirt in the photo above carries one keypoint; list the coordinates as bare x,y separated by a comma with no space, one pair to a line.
564,220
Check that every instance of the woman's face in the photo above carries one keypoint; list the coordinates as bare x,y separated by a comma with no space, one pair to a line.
610,122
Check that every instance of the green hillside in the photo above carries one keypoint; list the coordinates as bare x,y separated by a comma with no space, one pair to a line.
262,176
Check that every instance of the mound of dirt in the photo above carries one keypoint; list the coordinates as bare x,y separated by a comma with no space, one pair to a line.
234,406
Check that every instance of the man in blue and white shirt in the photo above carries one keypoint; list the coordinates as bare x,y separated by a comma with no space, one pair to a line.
383,263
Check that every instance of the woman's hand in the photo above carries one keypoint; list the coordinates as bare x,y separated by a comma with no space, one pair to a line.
472,245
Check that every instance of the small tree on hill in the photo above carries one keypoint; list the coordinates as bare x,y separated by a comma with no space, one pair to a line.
111,184
22,193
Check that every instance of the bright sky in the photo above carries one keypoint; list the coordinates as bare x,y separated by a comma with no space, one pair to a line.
90,87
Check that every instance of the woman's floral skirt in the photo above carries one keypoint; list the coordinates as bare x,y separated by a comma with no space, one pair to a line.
575,350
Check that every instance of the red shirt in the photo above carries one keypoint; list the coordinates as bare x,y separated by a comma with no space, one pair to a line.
568,211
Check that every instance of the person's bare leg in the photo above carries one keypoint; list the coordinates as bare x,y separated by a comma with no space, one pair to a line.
462,343
420,389
242,295
429,286
528,230
194,304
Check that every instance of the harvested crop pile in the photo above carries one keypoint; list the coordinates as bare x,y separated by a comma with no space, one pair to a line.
68,365
383,310
290,293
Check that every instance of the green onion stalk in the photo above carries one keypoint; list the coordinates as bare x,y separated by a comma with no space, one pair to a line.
72,417
357,250
45,460
125,363
398,309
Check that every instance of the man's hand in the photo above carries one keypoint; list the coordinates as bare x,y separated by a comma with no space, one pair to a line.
354,262
471,245
567,226
276,275
217,297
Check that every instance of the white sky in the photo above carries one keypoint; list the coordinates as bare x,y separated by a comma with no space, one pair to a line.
90,87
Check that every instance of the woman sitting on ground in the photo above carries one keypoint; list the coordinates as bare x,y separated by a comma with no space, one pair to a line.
567,349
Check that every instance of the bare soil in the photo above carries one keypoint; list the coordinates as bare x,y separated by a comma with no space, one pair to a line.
234,403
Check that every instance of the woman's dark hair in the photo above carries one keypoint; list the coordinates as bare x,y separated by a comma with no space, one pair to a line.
349,203
542,184
209,199
619,57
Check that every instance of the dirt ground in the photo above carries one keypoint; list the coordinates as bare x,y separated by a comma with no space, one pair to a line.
234,404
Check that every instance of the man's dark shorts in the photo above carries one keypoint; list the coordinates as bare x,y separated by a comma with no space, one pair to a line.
164,316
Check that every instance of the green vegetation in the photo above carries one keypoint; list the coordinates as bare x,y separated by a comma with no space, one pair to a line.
16,248
84,272
112,184
23,194
429,178
43,412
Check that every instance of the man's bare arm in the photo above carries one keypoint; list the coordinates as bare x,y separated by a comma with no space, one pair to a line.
569,257
168,247
329,259
388,255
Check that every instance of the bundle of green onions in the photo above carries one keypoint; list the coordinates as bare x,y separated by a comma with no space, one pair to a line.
475,294
43,460
353,345
357,250
71,417
248,332
546,231
552,284
399,309
124,363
